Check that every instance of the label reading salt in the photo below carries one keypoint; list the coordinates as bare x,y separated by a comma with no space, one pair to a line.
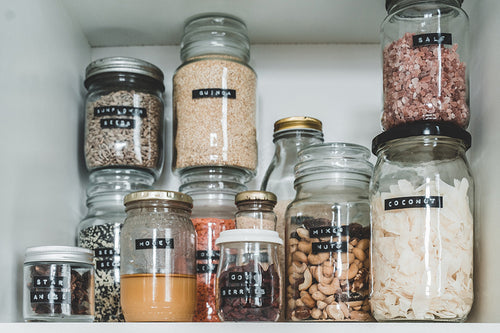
214,93
413,202
329,247
154,243
432,39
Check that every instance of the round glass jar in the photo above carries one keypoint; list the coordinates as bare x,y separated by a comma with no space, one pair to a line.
58,284
425,46
213,190
248,278
124,115
328,235
422,208
158,272
255,210
214,96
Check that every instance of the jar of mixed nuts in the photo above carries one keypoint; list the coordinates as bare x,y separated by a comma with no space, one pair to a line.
124,115
255,210
158,273
425,45
214,96
328,235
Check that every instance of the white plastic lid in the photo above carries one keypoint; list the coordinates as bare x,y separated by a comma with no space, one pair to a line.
249,235
58,254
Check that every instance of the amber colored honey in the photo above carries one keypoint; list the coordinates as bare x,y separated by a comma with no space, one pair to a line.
158,297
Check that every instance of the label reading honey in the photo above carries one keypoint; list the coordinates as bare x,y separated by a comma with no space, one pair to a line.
154,243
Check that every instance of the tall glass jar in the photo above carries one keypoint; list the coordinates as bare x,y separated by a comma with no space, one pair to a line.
158,272
425,62
422,201
124,115
214,96
255,210
213,190
100,231
328,235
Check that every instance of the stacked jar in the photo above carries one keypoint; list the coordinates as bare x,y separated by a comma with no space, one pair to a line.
422,192
215,145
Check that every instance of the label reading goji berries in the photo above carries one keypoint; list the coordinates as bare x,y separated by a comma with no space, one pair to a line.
432,39
320,247
242,291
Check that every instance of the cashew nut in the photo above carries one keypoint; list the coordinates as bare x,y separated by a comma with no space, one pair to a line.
321,305
308,300
307,280
318,259
363,244
344,309
361,316
300,256
316,313
334,312
303,233
305,247
293,241
291,304
318,296
360,254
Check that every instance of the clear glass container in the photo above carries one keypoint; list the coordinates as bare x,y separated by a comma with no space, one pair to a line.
255,210
158,270
422,208
328,235
214,96
58,284
425,46
124,115
249,278
100,231
213,191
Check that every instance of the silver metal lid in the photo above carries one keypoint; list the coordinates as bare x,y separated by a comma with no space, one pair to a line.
59,254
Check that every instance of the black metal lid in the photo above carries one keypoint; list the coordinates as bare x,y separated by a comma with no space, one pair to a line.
390,3
422,128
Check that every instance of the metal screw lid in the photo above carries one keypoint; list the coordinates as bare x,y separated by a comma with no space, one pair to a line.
58,254
297,123
390,3
158,195
255,196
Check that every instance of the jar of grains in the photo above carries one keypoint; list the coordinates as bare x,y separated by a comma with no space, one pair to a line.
124,115
248,278
425,46
214,96
100,231
422,224
58,284
213,191
158,281
328,235
255,210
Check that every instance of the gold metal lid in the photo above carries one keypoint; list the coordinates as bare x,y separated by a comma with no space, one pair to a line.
158,195
255,196
297,123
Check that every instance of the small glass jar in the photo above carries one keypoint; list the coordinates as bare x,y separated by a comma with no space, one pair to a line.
124,115
214,96
422,201
213,191
100,231
249,278
58,284
255,210
158,272
328,235
425,45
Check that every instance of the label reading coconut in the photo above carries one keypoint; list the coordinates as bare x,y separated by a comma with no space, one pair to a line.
413,202
119,110
207,255
432,39
206,268
154,243
321,247
49,297
214,93
333,231
47,281
242,292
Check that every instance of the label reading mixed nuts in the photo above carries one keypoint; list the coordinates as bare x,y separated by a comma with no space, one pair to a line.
320,247
333,231
214,93
118,123
119,110
154,243
432,39
413,202
54,297
47,281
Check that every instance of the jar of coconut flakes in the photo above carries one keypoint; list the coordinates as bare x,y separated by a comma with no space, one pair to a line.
214,96
422,208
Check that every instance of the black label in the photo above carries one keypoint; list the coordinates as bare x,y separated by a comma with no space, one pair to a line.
118,110
206,268
432,39
328,231
157,243
47,281
242,292
207,255
214,93
49,297
104,252
245,278
329,247
107,264
413,202
118,123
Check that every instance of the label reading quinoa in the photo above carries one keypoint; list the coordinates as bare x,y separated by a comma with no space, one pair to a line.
329,247
413,202
156,243
47,281
206,268
49,297
214,93
118,110
432,39
206,255
328,231
117,123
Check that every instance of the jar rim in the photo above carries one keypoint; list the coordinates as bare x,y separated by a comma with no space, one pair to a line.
390,3
57,253
167,196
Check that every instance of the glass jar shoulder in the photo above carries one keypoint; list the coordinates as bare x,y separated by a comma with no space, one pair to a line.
101,220
213,63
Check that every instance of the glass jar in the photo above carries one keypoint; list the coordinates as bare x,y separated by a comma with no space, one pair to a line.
124,115
100,231
249,278
255,210
422,201
58,284
158,281
213,191
425,46
214,96
328,235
